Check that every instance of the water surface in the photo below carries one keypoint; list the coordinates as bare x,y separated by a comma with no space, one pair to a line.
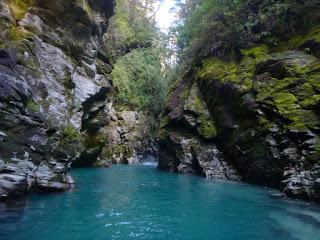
140,202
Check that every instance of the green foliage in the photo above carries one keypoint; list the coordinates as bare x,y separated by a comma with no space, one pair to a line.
131,27
198,15
139,78
136,48
70,133
199,25
223,27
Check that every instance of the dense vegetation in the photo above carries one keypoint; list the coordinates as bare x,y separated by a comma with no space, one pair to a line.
133,42
139,78
223,27
254,65
131,27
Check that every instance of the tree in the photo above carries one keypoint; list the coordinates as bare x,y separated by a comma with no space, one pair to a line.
139,77
131,27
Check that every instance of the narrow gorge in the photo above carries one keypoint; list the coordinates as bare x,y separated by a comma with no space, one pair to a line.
224,90
57,106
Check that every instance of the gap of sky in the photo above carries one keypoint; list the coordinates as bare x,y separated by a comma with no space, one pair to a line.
165,15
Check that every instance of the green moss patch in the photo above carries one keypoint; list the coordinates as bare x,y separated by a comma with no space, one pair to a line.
32,106
70,133
314,80
299,40
20,7
258,53
286,102
207,128
217,69
312,102
240,73
18,33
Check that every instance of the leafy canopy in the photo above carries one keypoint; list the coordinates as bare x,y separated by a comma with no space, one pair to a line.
131,27
138,76
223,27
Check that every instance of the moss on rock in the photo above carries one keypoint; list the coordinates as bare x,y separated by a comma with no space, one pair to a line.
18,33
240,72
287,105
20,7
258,53
299,41
32,106
207,128
214,68
70,133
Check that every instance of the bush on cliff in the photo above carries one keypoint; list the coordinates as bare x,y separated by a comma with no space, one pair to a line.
139,78
223,27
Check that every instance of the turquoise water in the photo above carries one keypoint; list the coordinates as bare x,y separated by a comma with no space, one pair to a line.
141,202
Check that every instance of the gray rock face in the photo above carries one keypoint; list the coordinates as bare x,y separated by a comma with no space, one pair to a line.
304,184
188,154
263,114
50,92
129,138
186,138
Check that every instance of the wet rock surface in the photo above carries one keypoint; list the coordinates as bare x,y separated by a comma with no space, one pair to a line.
191,156
129,138
186,137
261,113
50,91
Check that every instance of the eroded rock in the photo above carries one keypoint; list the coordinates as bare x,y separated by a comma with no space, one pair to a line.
262,111
50,92
129,138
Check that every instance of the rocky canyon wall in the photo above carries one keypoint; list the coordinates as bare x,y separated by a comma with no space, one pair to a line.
55,91
254,117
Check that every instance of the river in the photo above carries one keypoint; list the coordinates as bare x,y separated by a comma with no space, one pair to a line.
141,202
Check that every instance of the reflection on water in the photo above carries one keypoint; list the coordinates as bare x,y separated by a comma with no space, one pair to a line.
140,202
150,164
150,161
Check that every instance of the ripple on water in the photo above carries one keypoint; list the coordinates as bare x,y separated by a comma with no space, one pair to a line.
100,215
141,202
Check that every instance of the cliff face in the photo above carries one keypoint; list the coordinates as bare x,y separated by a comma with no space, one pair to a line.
255,118
54,91
129,139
